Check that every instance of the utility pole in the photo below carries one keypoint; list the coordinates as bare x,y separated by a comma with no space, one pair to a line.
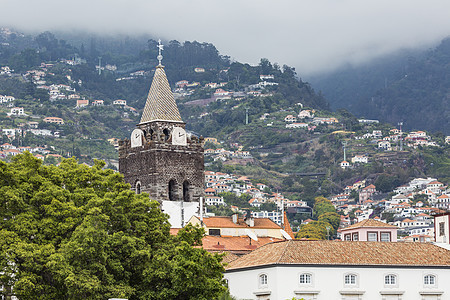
246,116
400,124
99,65
344,143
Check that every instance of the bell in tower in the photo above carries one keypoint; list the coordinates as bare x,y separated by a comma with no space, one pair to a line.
161,158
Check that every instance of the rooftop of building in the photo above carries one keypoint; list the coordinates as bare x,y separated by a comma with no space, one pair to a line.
160,104
227,222
234,244
369,223
341,253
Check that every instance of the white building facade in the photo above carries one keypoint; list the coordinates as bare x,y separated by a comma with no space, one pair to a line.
278,272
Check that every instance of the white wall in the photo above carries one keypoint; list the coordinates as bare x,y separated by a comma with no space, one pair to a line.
283,281
173,209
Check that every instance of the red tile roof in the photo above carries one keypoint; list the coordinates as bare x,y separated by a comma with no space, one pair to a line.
227,222
287,226
369,223
371,186
344,253
235,244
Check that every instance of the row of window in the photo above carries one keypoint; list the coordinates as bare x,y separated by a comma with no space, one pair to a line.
352,279
371,237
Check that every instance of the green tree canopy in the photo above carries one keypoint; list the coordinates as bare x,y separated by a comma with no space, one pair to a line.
386,183
332,218
79,232
314,230
322,205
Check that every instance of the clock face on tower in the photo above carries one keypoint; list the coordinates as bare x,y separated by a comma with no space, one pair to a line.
179,136
136,138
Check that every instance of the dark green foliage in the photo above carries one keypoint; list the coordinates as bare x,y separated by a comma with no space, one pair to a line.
386,183
231,199
314,230
322,205
332,218
78,232
220,210
326,214
411,87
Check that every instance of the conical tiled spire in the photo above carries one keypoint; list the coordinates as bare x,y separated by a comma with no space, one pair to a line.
160,105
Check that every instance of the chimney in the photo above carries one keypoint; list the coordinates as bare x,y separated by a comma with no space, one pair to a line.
235,218
249,220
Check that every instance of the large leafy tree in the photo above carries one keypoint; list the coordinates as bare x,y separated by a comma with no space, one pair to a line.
322,205
314,230
78,232
326,214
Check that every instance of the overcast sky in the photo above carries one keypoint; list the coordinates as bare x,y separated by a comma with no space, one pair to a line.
313,35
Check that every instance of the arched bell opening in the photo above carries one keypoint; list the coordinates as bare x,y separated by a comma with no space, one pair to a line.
138,187
186,191
172,190
166,133
150,134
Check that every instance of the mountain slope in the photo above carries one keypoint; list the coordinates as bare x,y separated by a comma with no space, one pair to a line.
409,87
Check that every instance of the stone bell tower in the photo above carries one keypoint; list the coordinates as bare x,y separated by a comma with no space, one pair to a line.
161,158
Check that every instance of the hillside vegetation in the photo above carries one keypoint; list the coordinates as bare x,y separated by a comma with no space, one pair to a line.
409,87
303,162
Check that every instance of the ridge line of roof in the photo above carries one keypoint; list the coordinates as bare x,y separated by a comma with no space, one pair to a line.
284,252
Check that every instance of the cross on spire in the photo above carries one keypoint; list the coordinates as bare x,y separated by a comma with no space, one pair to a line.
160,48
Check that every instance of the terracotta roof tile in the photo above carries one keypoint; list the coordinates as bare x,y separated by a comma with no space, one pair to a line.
287,226
371,186
229,257
226,222
369,223
344,253
235,244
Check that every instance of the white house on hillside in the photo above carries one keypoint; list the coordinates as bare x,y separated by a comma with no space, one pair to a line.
290,119
360,159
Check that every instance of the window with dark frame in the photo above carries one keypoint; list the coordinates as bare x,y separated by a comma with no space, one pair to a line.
372,236
350,279
263,279
429,280
305,278
385,236
390,279
214,232
441,228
